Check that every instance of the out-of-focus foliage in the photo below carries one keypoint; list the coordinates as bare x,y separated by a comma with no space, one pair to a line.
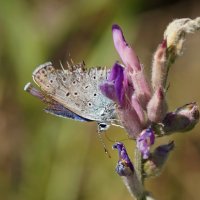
46,158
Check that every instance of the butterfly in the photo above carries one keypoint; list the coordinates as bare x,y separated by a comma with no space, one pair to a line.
74,93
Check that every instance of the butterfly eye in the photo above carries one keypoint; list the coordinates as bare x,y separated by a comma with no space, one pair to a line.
75,93
67,94
95,94
89,104
103,126
94,77
51,81
64,79
74,82
86,87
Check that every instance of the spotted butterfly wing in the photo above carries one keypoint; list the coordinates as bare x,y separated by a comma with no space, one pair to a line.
53,107
77,90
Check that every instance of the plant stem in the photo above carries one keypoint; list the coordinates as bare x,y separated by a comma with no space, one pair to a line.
138,165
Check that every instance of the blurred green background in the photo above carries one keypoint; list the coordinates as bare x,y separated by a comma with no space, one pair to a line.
43,157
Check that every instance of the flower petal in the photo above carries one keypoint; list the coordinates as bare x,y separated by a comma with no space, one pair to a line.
126,53
133,67
144,142
113,87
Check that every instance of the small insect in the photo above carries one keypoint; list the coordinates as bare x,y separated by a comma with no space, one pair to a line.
74,93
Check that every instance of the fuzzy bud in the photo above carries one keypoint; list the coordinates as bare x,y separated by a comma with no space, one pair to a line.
157,160
182,120
157,106
159,68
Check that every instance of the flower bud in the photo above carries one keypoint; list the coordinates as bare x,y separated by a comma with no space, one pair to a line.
157,106
159,68
157,160
182,120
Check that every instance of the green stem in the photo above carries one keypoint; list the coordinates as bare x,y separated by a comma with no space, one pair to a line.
139,165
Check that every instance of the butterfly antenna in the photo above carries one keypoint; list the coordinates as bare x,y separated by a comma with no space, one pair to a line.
103,143
62,66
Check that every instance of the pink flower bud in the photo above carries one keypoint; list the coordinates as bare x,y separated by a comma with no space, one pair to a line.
159,68
157,106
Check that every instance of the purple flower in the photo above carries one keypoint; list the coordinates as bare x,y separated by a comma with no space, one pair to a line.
124,165
127,86
144,142
113,87
133,67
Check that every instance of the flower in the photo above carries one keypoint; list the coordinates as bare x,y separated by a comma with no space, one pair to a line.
124,166
113,88
133,67
127,86
144,142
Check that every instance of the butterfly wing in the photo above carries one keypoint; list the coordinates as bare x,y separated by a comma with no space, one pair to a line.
53,107
77,89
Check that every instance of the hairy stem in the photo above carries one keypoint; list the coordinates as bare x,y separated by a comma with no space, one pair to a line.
138,165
